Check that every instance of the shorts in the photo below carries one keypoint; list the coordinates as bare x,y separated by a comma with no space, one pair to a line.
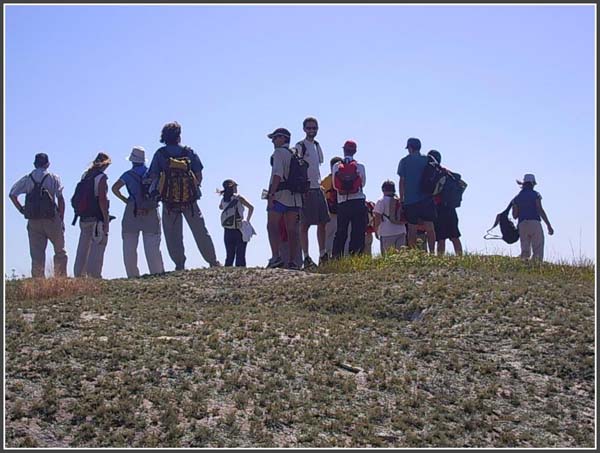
282,209
446,224
421,211
314,208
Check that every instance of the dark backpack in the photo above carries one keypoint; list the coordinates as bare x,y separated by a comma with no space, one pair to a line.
178,185
84,201
297,179
145,202
347,180
432,178
510,233
452,190
39,204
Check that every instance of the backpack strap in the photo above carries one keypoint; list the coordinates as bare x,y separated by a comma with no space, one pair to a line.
38,183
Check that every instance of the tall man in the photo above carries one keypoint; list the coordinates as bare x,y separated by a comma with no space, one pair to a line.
349,178
282,202
45,210
180,172
314,207
417,205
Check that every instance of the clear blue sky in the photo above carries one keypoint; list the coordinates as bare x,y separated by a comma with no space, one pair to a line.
499,90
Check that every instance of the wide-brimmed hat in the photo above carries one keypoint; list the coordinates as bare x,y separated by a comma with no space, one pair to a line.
529,177
138,155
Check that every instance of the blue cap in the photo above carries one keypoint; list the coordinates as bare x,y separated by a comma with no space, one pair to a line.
413,143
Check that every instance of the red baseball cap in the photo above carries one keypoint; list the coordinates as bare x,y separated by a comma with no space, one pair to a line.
350,144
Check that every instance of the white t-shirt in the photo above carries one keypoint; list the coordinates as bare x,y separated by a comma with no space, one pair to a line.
387,228
314,157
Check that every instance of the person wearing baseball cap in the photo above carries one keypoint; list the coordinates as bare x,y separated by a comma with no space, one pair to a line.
349,178
45,213
527,208
418,206
140,216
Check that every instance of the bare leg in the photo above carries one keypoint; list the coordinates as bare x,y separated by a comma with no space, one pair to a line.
273,230
441,247
430,230
457,246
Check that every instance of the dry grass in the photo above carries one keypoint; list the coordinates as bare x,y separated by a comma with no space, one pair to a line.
49,288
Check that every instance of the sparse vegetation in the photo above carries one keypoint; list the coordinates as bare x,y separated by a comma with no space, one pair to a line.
406,351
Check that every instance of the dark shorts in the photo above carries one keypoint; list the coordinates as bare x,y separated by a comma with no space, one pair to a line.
421,211
314,208
446,224
282,209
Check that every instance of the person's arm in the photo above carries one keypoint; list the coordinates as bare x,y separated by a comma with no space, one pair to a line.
377,219
401,183
15,200
515,211
543,215
103,202
61,206
116,189
275,180
248,206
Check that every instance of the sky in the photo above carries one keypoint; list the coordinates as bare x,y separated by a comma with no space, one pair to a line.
499,90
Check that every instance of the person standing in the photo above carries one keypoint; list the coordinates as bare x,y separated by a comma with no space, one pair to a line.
45,212
446,222
331,199
349,179
417,205
140,216
282,202
94,224
527,208
232,217
390,227
314,207
176,174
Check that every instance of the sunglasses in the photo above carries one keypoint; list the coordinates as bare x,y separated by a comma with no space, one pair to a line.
311,128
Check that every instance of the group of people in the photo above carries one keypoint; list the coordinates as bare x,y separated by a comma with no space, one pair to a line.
297,198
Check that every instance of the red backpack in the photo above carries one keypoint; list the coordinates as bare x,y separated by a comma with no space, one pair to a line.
347,180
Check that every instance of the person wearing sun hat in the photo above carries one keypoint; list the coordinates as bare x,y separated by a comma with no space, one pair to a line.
232,220
140,216
527,208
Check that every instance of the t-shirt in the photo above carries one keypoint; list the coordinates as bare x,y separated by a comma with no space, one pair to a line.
314,156
25,185
526,202
280,166
387,228
361,172
132,184
411,168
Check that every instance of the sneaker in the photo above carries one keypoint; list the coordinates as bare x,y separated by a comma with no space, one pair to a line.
293,266
308,263
275,262
323,259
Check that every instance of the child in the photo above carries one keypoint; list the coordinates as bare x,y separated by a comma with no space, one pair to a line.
527,208
232,216
391,229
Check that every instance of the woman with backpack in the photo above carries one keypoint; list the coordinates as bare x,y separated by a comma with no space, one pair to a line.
527,208
91,206
232,217
140,216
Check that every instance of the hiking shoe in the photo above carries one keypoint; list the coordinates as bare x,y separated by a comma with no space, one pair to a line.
308,263
293,266
323,259
275,262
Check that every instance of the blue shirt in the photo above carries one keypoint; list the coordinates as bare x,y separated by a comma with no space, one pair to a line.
526,202
159,162
132,184
411,168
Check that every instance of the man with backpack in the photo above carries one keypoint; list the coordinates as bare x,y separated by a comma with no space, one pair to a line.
176,174
349,178
314,207
140,216
417,205
45,211
446,223
287,184
389,222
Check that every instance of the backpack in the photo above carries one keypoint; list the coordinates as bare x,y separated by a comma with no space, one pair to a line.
146,202
230,217
39,204
370,216
297,179
510,233
84,201
452,190
178,185
396,214
433,177
347,180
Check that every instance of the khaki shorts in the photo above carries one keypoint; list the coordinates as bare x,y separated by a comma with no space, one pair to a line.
314,208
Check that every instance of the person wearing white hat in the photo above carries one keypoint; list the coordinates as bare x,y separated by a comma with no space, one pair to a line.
140,216
527,208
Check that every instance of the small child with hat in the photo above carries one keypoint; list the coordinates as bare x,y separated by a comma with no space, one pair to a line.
527,208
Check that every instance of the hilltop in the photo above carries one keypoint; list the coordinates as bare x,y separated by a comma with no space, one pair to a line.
406,351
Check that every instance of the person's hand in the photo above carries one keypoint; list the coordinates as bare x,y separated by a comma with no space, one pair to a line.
550,230
105,226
